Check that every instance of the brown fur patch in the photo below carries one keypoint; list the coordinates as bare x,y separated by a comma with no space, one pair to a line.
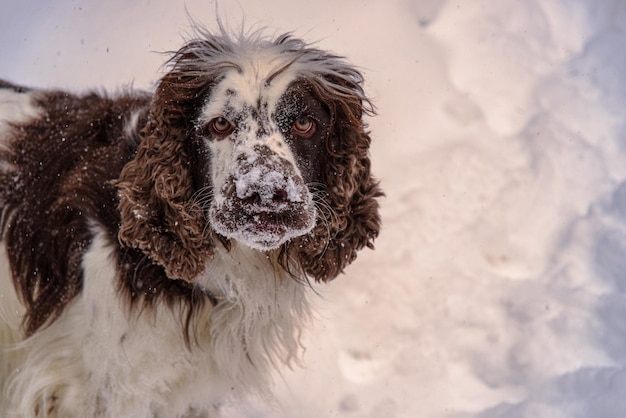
58,182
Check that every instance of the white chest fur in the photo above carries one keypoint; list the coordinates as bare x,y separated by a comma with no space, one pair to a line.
100,360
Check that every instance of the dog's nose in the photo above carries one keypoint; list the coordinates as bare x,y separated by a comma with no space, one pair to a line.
267,180
268,189
278,197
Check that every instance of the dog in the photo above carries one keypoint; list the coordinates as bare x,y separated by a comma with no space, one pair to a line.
158,248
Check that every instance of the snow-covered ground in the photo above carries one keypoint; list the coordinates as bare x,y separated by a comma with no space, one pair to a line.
498,286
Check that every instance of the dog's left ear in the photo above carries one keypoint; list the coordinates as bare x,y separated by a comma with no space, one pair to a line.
158,213
349,212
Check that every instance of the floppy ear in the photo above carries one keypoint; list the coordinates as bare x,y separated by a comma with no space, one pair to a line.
158,213
349,211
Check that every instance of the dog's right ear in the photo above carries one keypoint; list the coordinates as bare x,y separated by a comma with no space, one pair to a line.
158,213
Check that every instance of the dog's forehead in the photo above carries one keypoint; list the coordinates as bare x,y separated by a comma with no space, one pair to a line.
261,83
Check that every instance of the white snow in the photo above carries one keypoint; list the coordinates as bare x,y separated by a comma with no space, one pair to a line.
498,285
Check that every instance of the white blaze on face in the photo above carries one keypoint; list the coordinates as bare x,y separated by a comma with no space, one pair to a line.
260,197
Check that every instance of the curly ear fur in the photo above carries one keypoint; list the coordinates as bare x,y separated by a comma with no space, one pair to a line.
158,213
350,210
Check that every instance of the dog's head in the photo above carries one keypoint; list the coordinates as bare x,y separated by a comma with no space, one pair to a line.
256,141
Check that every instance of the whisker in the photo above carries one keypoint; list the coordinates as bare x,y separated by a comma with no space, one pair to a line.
327,214
319,194
203,198
202,195
315,187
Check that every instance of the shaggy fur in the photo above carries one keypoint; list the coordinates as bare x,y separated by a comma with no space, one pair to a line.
156,247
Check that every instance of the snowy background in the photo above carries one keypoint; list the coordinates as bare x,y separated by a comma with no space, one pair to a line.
498,286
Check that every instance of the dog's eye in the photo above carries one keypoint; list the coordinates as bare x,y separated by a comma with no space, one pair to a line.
303,126
221,126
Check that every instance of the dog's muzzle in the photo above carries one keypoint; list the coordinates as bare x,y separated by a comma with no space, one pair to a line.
265,201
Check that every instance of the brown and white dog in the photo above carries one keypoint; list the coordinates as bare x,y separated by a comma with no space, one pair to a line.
156,248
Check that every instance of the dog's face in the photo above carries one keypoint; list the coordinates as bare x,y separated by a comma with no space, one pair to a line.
260,142
266,144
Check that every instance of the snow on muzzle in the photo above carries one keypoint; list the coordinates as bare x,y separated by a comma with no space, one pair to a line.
265,201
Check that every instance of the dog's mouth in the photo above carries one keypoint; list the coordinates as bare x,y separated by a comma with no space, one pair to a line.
262,230
268,223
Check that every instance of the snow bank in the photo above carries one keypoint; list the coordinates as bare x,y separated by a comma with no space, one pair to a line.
493,291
